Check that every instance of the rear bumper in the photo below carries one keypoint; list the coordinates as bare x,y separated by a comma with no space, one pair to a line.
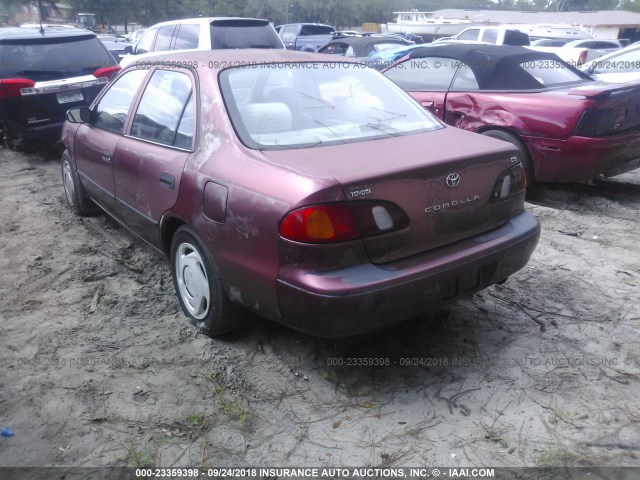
367,297
582,159
36,135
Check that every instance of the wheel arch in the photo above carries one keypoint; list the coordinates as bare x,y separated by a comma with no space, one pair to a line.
170,226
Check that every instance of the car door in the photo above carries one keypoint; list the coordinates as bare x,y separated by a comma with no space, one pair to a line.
461,109
96,141
426,79
151,157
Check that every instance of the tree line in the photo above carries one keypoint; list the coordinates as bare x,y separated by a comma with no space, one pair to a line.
340,13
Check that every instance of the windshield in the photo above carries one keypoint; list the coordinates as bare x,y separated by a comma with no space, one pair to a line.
296,105
53,58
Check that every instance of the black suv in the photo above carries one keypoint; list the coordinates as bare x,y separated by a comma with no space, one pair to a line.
43,73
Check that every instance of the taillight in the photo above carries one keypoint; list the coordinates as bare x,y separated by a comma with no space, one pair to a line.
107,72
598,122
510,183
320,224
337,222
582,58
13,87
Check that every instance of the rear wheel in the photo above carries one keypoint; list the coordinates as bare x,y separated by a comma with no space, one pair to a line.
523,154
74,192
198,285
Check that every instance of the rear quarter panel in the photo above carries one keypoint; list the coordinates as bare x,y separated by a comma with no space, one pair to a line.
246,245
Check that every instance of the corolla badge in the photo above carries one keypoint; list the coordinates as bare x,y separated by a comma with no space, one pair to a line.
452,180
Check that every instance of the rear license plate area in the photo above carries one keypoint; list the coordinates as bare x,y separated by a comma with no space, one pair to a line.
70,97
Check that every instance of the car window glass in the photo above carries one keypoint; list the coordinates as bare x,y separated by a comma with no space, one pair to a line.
334,48
188,37
243,33
625,62
550,72
331,104
423,74
289,33
469,34
378,47
145,43
53,58
184,136
163,42
316,30
111,112
162,106
465,79
490,35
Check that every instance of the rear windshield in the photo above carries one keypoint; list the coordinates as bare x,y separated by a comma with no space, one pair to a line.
53,58
244,34
316,30
297,105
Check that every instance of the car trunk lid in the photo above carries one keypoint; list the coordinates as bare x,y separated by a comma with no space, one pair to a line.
612,108
443,180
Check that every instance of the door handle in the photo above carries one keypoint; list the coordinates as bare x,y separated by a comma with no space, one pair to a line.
427,103
105,155
167,181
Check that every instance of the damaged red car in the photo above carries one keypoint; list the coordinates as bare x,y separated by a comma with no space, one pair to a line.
308,189
567,127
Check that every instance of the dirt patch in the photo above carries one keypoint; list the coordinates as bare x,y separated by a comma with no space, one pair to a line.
100,367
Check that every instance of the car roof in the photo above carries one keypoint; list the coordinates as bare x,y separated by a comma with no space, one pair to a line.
208,20
628,48
11,34
494,66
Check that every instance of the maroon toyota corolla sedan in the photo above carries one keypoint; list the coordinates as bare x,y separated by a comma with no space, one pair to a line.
306,188
567,127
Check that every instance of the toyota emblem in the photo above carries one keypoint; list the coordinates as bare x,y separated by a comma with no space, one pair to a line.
453,180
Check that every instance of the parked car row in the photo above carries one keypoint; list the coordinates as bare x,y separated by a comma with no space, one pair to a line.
296,185
307,188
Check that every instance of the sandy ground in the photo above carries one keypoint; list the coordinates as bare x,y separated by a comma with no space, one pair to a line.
100,367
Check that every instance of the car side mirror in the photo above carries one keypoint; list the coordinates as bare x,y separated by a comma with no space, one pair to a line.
128,49
79,115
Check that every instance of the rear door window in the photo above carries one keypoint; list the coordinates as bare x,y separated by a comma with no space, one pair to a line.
490,35
162,107
289,33
163,42
471,34
188,37
111,112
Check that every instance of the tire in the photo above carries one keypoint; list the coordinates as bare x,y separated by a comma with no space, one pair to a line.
523,155
74,192
196,280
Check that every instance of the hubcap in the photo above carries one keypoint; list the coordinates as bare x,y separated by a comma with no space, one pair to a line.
193,283
69,187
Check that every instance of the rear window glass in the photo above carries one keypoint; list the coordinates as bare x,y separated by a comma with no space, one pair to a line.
316,30
243,34
550,72
281,106
55,59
